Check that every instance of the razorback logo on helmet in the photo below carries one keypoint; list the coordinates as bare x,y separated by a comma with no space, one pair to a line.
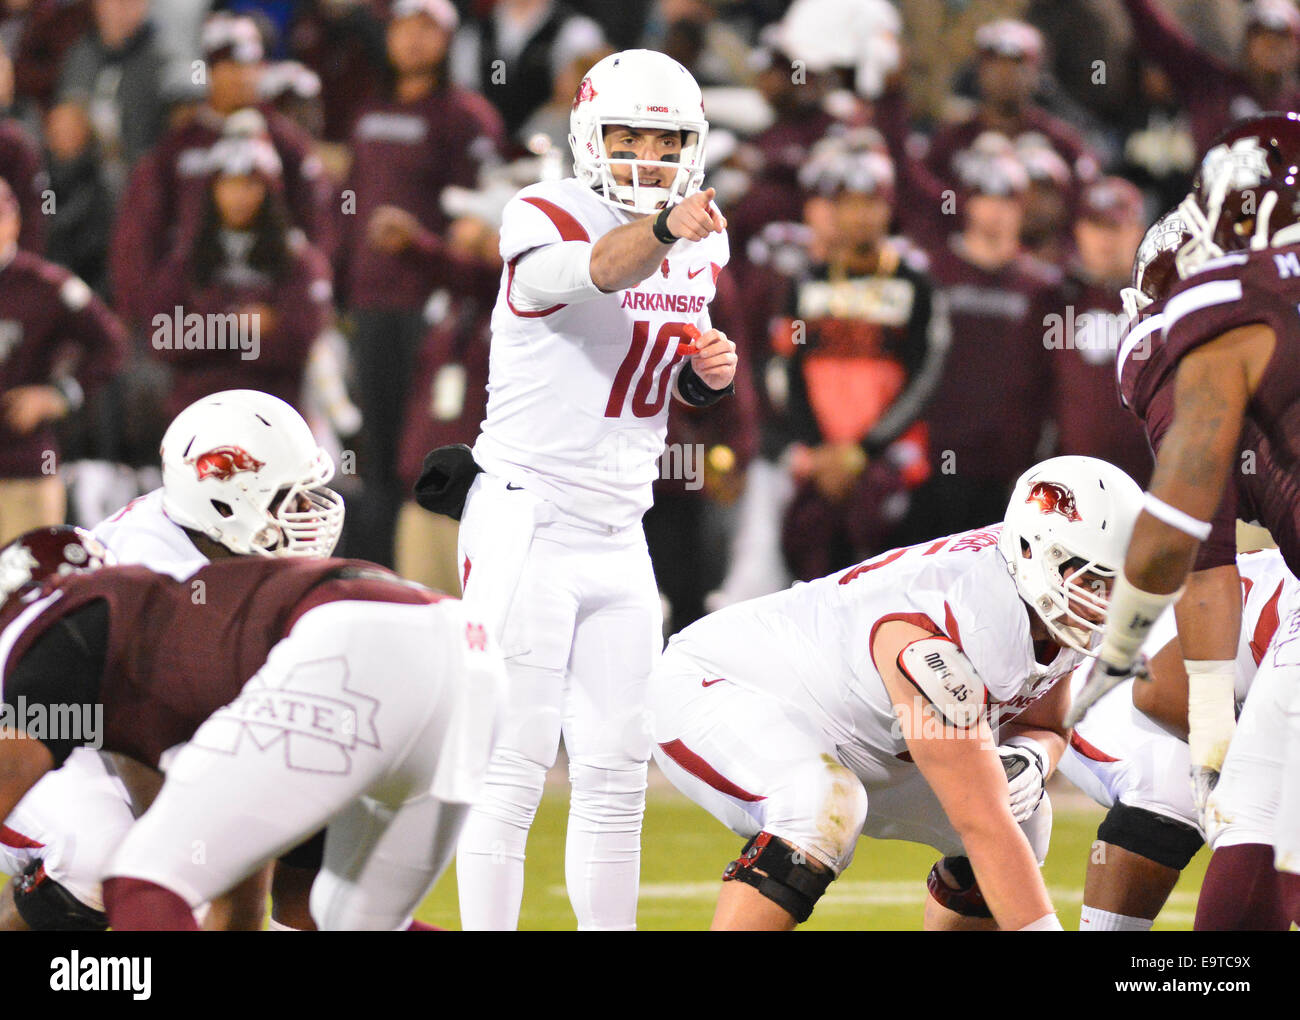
224,462
1052,497
586,91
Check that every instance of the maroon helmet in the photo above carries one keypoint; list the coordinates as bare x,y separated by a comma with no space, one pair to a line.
49,552
1154,273
1246,195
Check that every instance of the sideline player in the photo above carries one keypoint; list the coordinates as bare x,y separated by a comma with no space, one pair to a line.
1230,359
307,694
603,311
242,475
914,696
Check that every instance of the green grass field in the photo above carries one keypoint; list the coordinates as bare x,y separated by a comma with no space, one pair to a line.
685,850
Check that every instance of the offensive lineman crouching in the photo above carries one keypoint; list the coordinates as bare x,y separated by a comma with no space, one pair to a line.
781,716
301,694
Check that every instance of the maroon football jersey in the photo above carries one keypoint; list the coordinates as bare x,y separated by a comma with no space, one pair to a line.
1232,291
176,651
1146,376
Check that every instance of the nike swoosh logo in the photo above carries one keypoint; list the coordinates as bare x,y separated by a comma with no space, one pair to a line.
513,488
710,683
691,275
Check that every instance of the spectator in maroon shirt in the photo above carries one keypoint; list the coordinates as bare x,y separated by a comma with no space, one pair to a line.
240,305
20,163
775,156
406,150
38,34
58,342
1046,228
1084,339
1217,92
988,417
1009,59
167,191
344,45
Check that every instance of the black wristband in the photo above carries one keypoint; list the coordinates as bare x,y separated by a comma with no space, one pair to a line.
691,388
662,234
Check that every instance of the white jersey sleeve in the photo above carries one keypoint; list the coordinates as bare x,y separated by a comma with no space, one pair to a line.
142,534
558,273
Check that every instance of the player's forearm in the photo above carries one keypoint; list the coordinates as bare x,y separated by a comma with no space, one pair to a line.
626,255
1209,614
1191,472
1007,873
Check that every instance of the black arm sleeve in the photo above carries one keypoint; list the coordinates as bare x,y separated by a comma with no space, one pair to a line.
64,666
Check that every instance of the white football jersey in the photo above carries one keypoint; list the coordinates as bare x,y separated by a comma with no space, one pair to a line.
578,394
811,644
142,534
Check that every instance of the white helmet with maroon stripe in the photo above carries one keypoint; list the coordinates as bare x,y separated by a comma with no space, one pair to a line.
243,468
1069,512
638,89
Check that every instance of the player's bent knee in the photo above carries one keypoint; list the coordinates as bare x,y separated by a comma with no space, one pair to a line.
782,873
1156,837
45,905
952,884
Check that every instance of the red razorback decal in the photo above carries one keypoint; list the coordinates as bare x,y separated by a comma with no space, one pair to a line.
225,462
586,91
1054,498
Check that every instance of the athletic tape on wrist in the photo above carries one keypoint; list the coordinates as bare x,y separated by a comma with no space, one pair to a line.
1175,518
1211,710
1129,619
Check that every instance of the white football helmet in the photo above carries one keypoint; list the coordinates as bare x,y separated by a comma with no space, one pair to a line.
243,468
639,89
1076,512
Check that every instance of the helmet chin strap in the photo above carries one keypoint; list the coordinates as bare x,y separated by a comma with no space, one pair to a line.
1133,301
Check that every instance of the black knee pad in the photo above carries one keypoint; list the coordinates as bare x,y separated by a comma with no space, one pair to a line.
782,873
952,883
1147,834
47,906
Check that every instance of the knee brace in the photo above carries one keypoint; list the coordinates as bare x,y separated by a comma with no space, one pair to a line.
782,873
1147,834
47,906
952,884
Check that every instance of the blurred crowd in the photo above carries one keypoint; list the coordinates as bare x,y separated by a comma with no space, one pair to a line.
933,206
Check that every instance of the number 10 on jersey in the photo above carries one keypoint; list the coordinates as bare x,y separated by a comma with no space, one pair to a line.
655,375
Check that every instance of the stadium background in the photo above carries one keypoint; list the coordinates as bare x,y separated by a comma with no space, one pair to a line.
375,327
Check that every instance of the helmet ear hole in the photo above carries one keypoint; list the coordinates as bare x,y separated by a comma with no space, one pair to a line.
223,508
1025,551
